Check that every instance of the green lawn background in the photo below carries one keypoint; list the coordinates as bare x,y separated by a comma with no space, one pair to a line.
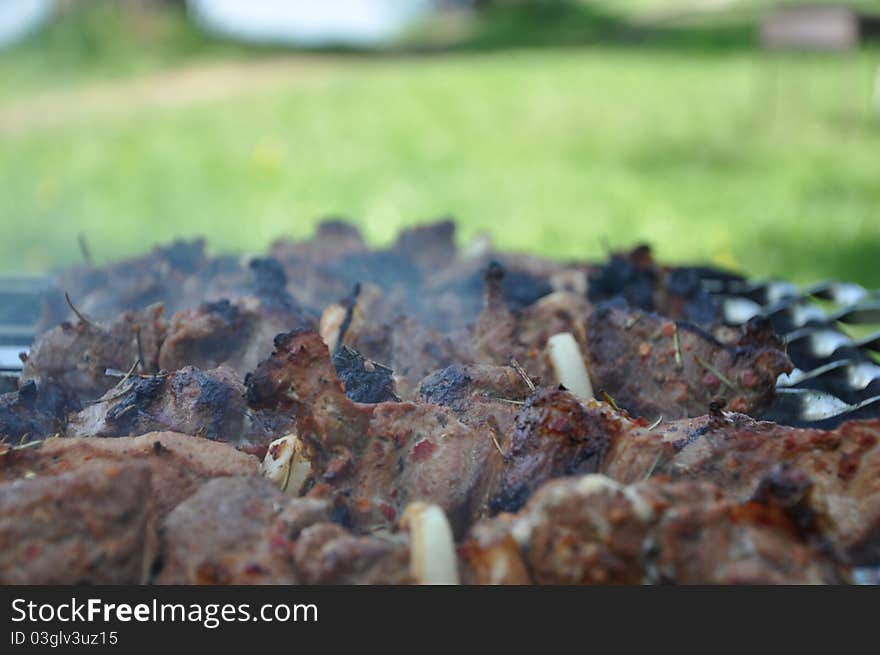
767,163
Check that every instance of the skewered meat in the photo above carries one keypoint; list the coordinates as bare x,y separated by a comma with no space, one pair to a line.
593,530
35,412
220,535
375,458
189,401
674,292
235,334
742,456
440,387
484,397
92,525
178,463
554,435
77,357
655,367
243,531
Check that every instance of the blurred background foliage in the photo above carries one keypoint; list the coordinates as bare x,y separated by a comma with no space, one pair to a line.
562,128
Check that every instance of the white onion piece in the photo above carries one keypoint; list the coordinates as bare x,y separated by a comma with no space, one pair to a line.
286,464
331,321
568,365
432,557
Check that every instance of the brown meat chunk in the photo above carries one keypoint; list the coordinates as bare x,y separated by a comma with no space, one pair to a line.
298,378
655,367
35,412
245,531
93,525
593,530
189,401
178,463
236,334
328,554
554,435
482,396
376,457
220,535
76,357
416,351
742,455
416,452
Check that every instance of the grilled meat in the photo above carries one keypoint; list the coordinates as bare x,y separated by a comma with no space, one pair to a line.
35,412
178,464
220,535
244,531
593,530
674,292
92,525
440,387
189,401
554,435
484,397
376,458
654,367
77,356
235,334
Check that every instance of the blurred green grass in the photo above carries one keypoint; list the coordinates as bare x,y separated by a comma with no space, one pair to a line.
770,164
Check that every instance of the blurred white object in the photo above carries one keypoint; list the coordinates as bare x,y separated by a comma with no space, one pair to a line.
810,28
310,22
18,18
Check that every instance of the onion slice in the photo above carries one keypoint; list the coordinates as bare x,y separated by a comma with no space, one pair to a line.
286,464
432,557
568,365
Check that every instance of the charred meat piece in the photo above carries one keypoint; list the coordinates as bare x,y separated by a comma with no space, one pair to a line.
494,332
554,435
416,351
160,276
299,378
631,276
430,246
92,525
484,397
180,276
654,367
236,334
178,463
77,357
35,412
675,292
189,401
365,381
593,530
270,284
843,466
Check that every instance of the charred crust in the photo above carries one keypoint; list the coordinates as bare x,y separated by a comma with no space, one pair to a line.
364,381
447,387
125,414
